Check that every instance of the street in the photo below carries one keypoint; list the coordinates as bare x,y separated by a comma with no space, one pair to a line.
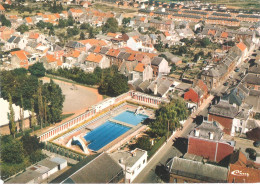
169,150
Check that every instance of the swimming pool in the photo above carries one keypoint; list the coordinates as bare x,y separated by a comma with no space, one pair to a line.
104,134
130,117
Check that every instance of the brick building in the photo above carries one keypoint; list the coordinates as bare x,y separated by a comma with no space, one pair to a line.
206,141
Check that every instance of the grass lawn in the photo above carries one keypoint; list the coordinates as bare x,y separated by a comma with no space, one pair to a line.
64,116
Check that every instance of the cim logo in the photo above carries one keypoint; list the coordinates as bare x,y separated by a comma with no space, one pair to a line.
239,173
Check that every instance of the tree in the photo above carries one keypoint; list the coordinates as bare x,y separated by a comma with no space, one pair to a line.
85,26
23,28
32,117
126,20
110,26
70,21
40,106
62,23
205,42
82,36
32,147
12,151
37,69
54,101
4,21
159,44
171,113
51,32
182,50
11,117
41,24
117,85
91,34
143,143
21,116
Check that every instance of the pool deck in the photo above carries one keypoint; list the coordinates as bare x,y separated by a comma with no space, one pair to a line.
122,123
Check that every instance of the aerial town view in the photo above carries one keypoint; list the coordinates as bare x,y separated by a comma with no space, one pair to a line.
129,91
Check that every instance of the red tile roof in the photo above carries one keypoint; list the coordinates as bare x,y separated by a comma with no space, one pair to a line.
224,35
21,54
28,19
2,8
241,46
139,67
212,32
93,42
94,58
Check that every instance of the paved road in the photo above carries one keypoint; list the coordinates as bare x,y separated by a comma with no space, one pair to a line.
168,150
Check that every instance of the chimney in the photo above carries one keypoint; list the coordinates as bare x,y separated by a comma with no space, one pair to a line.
155,89
197,132
121,160
211,135
133,154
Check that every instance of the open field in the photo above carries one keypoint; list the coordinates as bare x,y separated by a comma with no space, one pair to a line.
77,97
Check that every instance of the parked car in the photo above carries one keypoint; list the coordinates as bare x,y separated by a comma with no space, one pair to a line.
252,153
256,144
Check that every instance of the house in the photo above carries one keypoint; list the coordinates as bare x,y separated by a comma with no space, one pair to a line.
19,59
5,33
97,60
75,13
98,168
161,86
127,67
15,42
51,62
198,93
143,72
188,171
160,66
40,171
223,114
252,81
133,161
2,9
206,140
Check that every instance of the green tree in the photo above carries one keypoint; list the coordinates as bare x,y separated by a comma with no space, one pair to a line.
85,26
41,24
11,117
143,143
4,21
91,34
205,42
62,23
70,21
40,106
54,100
23,28
21,125
171,113
110,26
12,151
82,36
159,44
117,85
37,69
32,117
126,20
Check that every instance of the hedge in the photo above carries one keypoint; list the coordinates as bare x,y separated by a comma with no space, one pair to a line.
156,146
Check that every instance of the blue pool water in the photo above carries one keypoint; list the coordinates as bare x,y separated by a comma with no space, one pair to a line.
104,134
130,117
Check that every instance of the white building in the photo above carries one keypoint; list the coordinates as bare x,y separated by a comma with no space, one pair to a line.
132,162
36,173
4,104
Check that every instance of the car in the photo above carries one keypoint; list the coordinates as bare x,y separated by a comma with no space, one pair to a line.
256,144
237,70
225,84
